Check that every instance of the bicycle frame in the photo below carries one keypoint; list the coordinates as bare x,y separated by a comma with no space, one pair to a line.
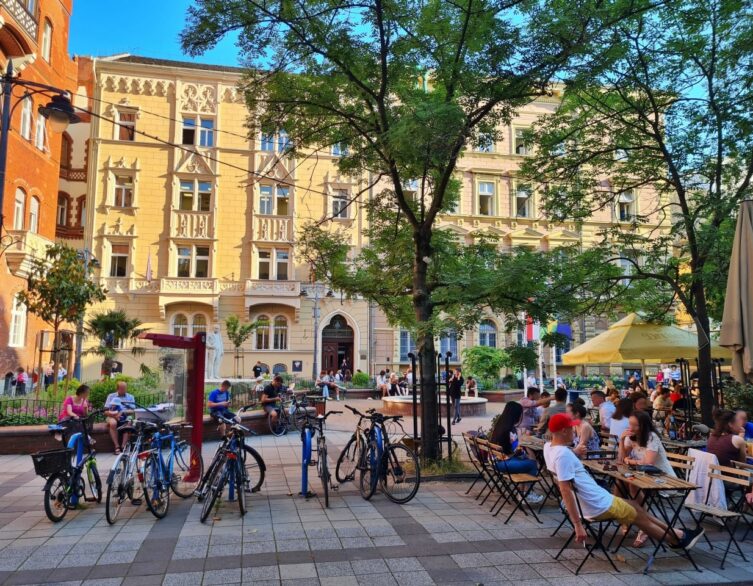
165,467
84,456
307,435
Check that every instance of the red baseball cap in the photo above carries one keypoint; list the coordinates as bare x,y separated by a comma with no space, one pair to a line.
561,421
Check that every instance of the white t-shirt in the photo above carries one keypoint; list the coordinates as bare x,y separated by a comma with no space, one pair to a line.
654,444
565,465
618,426
606,410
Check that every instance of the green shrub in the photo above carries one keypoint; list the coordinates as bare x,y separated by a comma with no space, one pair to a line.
738,396
360,380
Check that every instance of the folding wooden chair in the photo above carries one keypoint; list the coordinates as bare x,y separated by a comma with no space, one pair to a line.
681,464
740,504
483,449
723,516
473,456
516,487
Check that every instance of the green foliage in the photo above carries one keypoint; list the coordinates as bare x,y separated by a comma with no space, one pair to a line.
112,328
738,396
521,358
237,332
360,380
484,363
138,387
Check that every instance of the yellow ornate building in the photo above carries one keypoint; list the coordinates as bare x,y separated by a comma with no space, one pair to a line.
191,220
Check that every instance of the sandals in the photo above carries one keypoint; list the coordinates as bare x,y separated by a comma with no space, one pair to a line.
640,540
117,451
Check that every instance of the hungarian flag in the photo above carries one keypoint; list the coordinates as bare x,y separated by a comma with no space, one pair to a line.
532,329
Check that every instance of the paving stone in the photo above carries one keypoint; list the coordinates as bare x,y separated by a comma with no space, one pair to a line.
297,571
260,573
222,576
334,569
376,580
184,579
374,566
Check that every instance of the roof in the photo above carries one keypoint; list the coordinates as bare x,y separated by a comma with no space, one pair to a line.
126,58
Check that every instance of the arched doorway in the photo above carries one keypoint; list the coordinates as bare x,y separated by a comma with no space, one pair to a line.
337,344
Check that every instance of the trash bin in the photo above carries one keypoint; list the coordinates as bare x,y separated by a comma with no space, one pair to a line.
573,396
319,403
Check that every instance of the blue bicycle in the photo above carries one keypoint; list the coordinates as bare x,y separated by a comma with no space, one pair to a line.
71,472
170,464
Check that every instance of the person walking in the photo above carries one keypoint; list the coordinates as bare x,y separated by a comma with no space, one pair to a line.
455,390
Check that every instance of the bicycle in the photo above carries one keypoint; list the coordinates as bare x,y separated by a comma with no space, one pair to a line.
177,473
122,481
394,467
64,470
347,462
322,468
229,467
289,416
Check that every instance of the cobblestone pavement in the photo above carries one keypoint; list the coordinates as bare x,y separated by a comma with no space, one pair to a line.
442,537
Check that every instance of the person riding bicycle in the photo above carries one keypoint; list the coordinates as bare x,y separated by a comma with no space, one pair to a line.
219,406
271,396
118,406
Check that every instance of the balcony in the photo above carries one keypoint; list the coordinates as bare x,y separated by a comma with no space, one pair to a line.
189,224
260,292
22,16
24,248
273,229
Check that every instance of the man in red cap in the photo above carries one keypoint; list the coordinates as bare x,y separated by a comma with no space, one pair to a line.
598,504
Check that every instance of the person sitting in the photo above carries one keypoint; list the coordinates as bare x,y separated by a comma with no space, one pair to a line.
332,384
640,401
118,406
621,418
606,408
505,437
471,387
258,387
531,404
219,406
746,428
347,376
585,439
76,407
725,441
559,406
271,396
676,393
382,384
613,395
597,503
662,404
394,387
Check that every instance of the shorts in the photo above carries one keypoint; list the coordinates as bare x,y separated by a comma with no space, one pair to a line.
620,511
226,413
270,408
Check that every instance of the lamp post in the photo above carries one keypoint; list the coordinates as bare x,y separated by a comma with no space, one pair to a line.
317,289
59,112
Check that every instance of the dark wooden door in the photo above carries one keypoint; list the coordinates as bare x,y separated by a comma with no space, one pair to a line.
329,355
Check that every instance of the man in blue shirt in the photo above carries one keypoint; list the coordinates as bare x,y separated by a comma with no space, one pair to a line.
118,406
219,405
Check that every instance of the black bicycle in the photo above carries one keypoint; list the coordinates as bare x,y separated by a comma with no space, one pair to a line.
315,426
291,415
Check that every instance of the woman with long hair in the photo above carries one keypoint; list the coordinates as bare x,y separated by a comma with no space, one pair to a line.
621,418
725,441
586,439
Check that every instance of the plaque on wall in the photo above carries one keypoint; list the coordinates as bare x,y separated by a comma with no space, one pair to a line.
297,366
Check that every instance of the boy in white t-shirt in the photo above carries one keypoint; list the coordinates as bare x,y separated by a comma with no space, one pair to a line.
597,503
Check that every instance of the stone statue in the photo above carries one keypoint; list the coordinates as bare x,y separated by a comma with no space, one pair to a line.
215,351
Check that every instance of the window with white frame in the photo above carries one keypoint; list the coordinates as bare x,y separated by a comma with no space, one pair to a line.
123,191
193,262
198,324
521,148
274,200
627,266
26,116
266,200
273,264
282,261
18,315
283,200
626,206
19,209
195,195
339,150
407,345
47,40
119,260
340,204
620,154
264,268
31,7
61,219
271,142
81,210
485,143
34,215
280,341
262,333
126,124
487,334
198,131
523,200
486,194
448,342
180,325
40,136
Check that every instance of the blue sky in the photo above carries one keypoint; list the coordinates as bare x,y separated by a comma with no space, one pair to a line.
99,31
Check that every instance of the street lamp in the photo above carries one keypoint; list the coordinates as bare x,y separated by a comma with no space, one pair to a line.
59,111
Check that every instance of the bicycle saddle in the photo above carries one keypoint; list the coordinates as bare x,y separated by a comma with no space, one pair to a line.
55,427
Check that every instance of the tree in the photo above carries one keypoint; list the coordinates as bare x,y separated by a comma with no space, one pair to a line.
521,359
484,363
670,115
112,328
405,87
59,291
238,333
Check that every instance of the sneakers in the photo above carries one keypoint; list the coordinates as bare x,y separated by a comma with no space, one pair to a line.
534,498
690,538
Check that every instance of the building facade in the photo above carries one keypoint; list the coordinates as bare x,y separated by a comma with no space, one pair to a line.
34,38
193,218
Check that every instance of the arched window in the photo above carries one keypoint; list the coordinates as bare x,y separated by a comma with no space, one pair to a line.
17,337
34,215
180,325
62,217
278,368
280,333
19,209
47,40
262,333
199,324
487,334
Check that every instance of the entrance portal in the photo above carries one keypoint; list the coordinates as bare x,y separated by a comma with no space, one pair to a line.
337,344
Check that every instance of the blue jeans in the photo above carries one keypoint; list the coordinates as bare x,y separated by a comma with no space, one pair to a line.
456,403
518,466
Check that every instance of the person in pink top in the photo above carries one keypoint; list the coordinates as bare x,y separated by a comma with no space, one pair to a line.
76,406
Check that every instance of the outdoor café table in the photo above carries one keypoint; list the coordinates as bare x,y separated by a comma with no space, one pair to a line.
682,446
536,445
649,488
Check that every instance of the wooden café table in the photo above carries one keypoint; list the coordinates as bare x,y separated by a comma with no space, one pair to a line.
649,489
682,446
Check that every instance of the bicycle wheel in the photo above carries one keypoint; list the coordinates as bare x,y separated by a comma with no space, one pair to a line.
368,478
216,486
298,418
56,497
156,490
116,492
255,469
279,425
94,481
185,480
324,473
345,470
240,487
400,474
205,483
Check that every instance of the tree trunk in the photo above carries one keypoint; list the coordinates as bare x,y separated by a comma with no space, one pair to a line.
424,309
55,362
704,357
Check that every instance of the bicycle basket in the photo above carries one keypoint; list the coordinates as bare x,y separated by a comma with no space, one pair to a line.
48,462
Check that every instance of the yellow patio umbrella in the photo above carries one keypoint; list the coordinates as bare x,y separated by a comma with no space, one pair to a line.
633,340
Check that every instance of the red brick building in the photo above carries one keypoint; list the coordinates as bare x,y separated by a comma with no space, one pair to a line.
34,35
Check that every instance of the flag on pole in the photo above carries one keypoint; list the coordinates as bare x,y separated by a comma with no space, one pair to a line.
533,329
149,266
